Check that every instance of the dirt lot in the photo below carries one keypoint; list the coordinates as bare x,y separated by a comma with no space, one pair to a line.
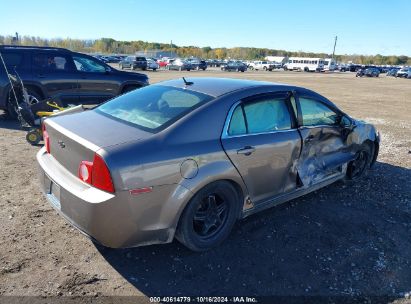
339,241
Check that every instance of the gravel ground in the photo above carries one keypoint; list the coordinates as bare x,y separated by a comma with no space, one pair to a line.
346,241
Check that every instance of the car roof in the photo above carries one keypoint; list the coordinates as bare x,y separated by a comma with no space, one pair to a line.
28,48
216,86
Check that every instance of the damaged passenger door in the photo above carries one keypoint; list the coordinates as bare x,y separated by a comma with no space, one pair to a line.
262,141
324,151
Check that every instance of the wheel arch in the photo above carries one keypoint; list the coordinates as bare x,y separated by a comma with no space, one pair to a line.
36,89
128,84
200,181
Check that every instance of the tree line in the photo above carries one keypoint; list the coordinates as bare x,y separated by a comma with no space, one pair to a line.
112,46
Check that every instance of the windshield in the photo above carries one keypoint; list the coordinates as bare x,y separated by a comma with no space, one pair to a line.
153,108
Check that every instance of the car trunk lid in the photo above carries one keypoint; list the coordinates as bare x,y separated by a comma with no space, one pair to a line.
75,138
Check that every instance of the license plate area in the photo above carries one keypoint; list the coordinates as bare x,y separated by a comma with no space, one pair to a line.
52,192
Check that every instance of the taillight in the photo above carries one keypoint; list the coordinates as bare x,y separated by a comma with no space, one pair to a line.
101,177
96,173
46,138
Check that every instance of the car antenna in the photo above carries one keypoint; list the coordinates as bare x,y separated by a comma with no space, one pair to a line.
187,83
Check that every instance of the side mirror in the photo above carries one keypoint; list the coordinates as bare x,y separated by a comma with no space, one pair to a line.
347,123
108,70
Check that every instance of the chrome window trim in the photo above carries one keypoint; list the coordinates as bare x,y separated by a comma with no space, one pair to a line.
225,134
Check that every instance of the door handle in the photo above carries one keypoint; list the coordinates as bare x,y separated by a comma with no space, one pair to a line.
41,76
247,150
309,138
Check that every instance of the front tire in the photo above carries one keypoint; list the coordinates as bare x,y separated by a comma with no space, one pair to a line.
208,218
358,167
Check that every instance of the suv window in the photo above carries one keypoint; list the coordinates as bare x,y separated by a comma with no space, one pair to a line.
316,113
265,115
85,64
12,59
49,62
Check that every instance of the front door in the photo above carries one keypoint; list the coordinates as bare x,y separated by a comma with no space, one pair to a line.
96,84
263,145
324,150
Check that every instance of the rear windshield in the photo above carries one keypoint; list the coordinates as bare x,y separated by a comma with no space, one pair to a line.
154,107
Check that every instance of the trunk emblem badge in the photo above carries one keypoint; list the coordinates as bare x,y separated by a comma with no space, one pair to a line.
61,144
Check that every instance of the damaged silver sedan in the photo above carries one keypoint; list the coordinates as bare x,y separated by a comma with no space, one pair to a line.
187,159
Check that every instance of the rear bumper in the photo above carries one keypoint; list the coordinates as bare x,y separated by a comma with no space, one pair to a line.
117,220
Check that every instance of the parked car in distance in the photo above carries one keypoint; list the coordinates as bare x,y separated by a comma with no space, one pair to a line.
179,65
197,64
187,158
392,72
261,65
372,72
133,62
65,76
404,72
234,66
360,73
152,64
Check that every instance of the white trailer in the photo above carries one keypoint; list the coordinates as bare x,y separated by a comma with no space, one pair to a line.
305,64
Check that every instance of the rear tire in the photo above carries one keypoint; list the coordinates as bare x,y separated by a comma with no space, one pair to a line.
10,111
208,218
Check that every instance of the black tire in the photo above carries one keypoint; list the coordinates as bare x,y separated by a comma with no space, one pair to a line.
154,70
208,218
306,69
265,68
242,71
11,111
358,167
285,68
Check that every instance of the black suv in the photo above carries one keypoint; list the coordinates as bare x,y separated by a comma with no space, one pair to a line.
133,62
65,76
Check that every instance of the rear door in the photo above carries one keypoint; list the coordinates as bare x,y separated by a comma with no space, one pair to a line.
56,74
96,83
324,149
262,142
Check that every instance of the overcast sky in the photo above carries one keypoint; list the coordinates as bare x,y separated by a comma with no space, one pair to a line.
363,27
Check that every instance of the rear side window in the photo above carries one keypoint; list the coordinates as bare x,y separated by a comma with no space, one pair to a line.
265,115
153,108
49,62
316,113
12,59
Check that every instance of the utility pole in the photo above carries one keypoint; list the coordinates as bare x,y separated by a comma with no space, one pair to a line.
335,43
171,47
